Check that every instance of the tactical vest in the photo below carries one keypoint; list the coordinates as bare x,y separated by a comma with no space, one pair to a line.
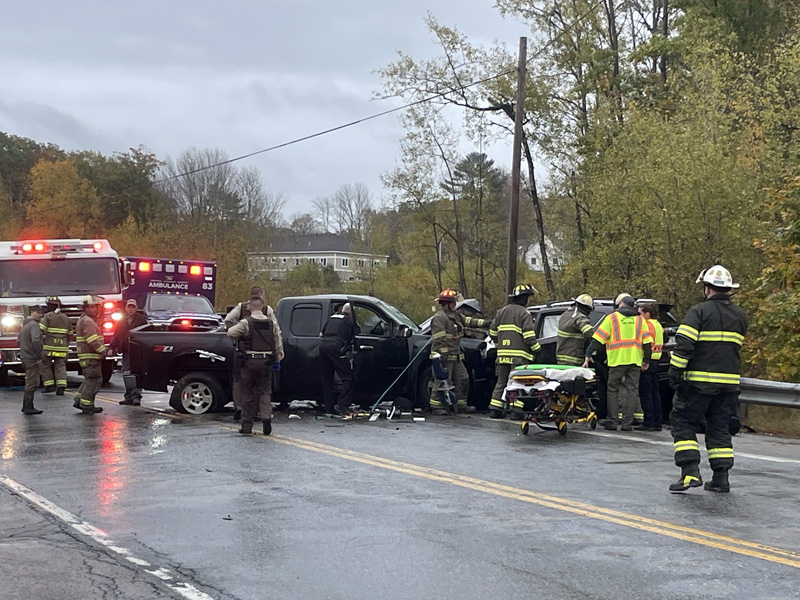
55,328
261,338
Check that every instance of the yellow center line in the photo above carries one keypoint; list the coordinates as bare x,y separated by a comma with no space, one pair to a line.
680,532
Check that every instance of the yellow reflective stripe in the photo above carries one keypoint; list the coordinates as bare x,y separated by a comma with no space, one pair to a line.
57,330
94,338
88,355
678,361
720,453
689,332
493,332
514,328
80,338
686,445
709,377
439,334
529,334
721,336
42,326
586,328
520,353
569,360
536,347
566,334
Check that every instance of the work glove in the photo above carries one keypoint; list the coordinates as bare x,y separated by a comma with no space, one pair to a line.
674,378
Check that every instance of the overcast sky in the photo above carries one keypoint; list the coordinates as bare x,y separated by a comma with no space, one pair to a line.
238,75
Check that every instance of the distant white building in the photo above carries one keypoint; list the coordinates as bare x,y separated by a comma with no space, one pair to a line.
325,249
532,254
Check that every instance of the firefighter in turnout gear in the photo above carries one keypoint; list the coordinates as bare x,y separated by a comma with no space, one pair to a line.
55,328
574,332
628,344
515,340
447,329
704,371
30,352
260,348
91,351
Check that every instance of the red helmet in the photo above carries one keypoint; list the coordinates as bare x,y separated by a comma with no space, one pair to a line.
448,295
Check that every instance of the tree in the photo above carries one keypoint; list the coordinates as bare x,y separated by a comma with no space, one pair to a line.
304,224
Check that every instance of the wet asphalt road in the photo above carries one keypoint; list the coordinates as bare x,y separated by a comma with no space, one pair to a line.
143,503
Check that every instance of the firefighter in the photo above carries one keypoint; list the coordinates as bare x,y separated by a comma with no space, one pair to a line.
704,371
133,319
627,341
236,314
259,346
574,332
515,340
472,308
337,335
447,329
30,352
91,351
55,328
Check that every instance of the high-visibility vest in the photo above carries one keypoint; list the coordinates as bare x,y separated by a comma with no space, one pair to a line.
624,337
657,333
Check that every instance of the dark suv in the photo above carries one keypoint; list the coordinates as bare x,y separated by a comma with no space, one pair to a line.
546,318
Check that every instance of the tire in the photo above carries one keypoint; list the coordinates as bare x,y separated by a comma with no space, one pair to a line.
107,367
562,427
593,423
198,393
424,386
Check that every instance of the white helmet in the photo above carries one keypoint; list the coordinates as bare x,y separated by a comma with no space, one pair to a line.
718,276
585,299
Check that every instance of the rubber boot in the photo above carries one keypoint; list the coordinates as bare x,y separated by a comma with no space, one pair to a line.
60,391
237,414
48,389
496,414
267,424
27,404
246,428
690,477
719,482
91,410
77,403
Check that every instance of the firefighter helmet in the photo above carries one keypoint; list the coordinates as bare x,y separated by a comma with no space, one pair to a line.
718,276
92,300
523,289
448,295
585,300
54,300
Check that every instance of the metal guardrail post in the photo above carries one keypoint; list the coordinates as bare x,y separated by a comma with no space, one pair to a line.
769,393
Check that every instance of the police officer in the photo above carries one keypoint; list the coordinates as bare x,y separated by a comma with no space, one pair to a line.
447,329
55,328
133,319
704,371
515,339
260,348
91,351
338,335
628,344
30,352
574,332
236,314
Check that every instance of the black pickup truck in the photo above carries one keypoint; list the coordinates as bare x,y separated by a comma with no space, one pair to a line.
199,364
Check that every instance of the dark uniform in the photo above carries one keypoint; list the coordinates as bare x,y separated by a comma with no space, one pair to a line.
55,328
515,339
705,368
133,396
91,350
337,339
30,352
259,347
447,329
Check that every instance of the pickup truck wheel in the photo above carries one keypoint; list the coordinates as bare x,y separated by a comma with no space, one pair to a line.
424,386
197,393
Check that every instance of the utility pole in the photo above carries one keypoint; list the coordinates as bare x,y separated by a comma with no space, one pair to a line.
513,211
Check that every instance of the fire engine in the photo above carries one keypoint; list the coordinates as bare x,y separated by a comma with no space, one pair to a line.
33,270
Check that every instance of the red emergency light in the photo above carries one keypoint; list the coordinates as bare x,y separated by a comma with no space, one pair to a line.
185,322
144,267
108,325
195,270
97,246
33,247
108,305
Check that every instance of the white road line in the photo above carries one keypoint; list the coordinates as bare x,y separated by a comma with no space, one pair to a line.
186,590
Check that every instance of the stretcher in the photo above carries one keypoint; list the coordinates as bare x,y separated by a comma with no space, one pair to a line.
553,396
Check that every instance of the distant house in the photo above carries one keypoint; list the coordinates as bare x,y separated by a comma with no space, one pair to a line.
532,254
288,251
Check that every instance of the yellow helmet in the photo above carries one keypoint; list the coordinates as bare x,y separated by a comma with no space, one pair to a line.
92,300
585,299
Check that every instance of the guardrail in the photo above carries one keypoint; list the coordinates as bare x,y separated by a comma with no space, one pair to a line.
769,393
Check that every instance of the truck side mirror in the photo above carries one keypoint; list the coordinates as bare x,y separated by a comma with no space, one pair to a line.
404,331
125,273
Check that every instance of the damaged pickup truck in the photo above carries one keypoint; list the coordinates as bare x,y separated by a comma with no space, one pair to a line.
199,364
